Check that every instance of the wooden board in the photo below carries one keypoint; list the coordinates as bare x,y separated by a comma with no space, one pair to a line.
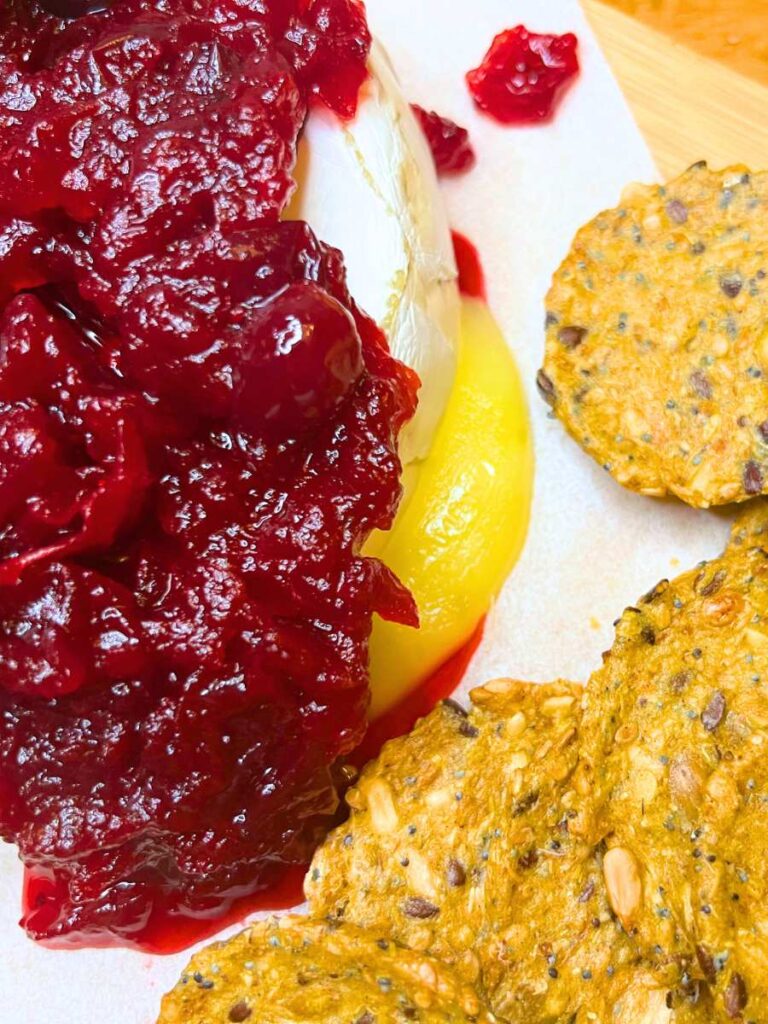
731,31
690,107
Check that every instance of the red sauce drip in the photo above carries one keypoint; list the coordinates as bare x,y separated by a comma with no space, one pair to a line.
451,149
523,75
471,274
198,431
168,932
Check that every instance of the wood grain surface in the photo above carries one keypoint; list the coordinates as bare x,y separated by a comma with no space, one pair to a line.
689,105
731,31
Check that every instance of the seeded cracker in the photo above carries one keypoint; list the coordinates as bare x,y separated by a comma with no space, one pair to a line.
676,754
751,527
459,844
297,971
657,338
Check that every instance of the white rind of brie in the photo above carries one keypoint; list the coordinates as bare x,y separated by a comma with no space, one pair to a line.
370,188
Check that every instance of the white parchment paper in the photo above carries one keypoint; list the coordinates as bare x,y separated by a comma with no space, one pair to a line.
592,548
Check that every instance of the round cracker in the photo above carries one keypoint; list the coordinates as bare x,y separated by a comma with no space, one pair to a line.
675,753
657,338
463,840
294,970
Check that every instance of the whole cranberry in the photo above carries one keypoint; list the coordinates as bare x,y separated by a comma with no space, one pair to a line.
302,356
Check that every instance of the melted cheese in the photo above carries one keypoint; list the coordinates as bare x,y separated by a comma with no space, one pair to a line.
464,522
467,453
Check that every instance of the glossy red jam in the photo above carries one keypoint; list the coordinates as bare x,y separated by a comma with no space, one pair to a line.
471,273
451,149
523,75
198,430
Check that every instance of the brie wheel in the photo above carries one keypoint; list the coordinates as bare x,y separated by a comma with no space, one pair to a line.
370,188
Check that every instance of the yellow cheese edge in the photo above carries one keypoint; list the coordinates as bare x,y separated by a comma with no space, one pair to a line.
464,522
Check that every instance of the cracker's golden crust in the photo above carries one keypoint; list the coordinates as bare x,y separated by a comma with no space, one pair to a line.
675,755
466,841
297,971
442,810
553,854
657,338
459,843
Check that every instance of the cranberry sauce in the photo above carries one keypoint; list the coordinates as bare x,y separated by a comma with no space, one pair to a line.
451,148
523,75
198,431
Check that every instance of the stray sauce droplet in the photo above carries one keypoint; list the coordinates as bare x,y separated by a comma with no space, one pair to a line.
523,75
471,274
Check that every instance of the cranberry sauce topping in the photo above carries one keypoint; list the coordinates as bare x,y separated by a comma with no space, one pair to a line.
451,149
523,75
198,430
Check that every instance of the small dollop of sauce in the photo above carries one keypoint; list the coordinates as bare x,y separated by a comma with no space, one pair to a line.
523,75
451,148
